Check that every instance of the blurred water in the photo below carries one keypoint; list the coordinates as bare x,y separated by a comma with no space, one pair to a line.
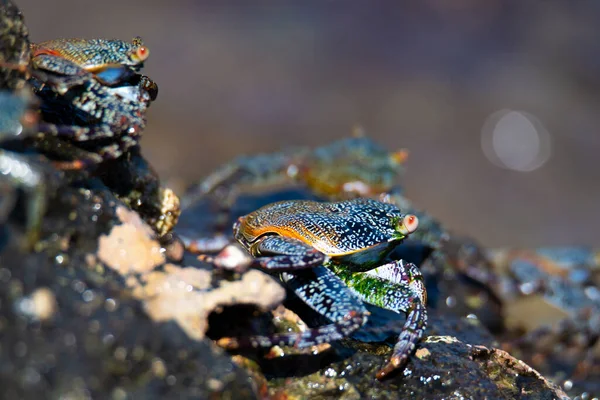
238,78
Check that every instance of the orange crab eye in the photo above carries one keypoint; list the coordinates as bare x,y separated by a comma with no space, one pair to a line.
142,53
410,222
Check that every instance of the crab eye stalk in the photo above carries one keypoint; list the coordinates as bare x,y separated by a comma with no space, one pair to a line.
409,224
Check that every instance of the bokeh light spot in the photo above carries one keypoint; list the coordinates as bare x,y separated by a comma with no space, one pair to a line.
515,140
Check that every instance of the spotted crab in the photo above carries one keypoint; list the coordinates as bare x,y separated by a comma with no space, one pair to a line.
92,96
93,99
89,102
334,257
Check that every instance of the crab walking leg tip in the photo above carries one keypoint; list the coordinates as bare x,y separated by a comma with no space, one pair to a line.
228,343
384,372
395,364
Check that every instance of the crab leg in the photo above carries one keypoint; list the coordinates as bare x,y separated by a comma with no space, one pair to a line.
326,294
253,171
103,106
399,287
81,159
78,133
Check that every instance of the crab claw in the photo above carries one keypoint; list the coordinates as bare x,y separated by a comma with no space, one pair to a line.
409,224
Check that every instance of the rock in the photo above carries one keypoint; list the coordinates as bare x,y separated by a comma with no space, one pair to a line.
80,318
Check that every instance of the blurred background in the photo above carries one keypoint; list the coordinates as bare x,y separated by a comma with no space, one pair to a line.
497,101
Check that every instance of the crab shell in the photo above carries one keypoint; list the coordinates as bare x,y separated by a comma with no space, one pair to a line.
354,165
335,229
95,55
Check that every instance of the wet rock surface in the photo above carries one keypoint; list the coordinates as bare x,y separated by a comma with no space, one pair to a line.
72,325
456,360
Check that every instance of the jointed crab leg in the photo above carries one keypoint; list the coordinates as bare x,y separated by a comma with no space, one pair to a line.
399,287
63,149
327,295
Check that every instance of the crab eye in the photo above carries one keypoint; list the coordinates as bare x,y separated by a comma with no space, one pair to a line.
410,222
142,53
399,157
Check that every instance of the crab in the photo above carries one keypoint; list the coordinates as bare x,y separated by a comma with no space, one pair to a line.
333,256
93,98
101,112
348,168
95,114
89,107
